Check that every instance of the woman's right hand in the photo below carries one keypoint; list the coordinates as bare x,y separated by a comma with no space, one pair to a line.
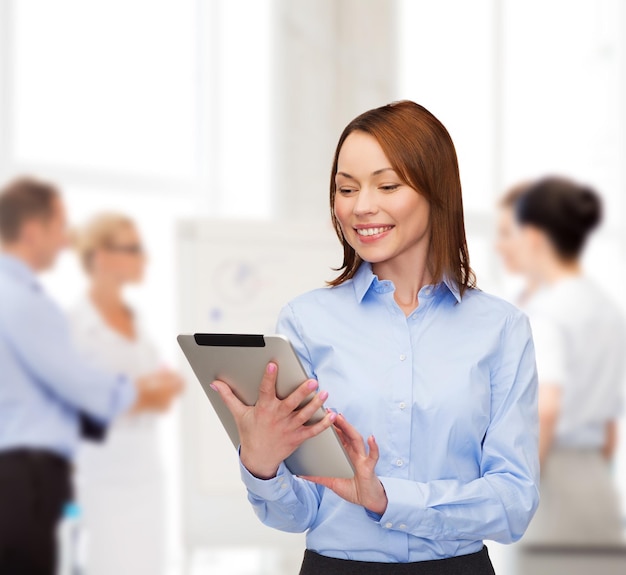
156,391
272,429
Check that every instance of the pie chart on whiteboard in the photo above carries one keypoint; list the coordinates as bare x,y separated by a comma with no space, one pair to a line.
237,281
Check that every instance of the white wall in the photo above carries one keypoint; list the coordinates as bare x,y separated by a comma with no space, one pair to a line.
191,108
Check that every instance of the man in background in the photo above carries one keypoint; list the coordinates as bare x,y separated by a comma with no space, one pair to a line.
48,392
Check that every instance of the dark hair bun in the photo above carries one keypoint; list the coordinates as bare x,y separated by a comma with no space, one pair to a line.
586,209
565,210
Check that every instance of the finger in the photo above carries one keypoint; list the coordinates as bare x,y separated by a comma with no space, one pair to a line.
267,389
373,446
170,393
355,454
165,405
177,384
353,437
342,437
295,399
164,401
314,429
234,405
303,415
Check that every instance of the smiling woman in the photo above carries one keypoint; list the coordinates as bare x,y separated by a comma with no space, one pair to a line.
432,382
422,171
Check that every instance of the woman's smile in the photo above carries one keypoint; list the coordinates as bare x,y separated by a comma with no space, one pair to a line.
371,233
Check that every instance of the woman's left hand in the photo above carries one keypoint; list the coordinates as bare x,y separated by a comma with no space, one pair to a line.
364,488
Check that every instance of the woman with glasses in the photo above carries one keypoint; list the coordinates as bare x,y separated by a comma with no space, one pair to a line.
120,482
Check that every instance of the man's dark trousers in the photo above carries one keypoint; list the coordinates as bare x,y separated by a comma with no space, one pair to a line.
34,487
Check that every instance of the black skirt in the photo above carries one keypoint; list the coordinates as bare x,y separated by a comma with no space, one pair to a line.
472,564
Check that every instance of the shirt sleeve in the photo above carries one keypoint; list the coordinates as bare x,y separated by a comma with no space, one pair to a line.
41,338
285,502
501,502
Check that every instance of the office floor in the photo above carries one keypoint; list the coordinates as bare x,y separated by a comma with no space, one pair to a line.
241,561
235,562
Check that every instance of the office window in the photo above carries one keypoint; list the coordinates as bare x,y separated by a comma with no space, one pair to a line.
243,156
445,65
105,85
561,94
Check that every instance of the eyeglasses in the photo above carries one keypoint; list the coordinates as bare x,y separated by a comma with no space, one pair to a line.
133,249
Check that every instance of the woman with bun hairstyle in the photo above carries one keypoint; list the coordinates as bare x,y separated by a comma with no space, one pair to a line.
120,483
580,341
430,382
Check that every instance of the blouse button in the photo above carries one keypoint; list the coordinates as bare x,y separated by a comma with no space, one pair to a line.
402,405
388,525
399,462
402,357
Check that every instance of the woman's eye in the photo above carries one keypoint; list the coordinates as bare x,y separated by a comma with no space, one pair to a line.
389,187
346,191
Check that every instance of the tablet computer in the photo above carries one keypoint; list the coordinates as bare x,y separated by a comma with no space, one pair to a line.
240,361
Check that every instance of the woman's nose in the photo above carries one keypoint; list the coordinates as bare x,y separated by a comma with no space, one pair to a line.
365,202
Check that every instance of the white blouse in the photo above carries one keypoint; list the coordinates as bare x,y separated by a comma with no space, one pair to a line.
131,451
580,343
120,482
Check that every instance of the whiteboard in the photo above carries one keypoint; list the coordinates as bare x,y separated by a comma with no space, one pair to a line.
234,277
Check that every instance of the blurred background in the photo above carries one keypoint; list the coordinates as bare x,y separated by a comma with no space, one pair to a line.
179,112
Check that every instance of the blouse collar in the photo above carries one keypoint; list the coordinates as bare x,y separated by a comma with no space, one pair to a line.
365,280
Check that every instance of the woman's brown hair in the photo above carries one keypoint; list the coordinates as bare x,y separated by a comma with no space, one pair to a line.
421,152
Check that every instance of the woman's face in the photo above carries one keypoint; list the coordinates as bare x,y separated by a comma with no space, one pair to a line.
509,241
123,260
382,218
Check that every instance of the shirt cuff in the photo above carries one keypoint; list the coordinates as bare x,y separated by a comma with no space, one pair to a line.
401,515
268,489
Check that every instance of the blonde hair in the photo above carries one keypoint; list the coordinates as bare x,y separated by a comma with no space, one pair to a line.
98,233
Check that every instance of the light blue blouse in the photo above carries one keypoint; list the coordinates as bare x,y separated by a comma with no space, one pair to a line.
449,392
